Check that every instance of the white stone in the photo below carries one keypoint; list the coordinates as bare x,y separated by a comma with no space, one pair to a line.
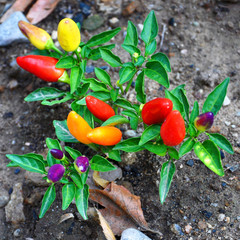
184,51
226,101
221,217
133,234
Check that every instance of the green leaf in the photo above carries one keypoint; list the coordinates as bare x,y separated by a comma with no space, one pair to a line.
115,120
114,94
101,164
51,160
186,147
121,102
177,104
150,28
192,130
139,61
89,118
82,90
132,35
83,65
126,75
157,148
102,37
139,88
72,152
12,164
81,198
115,155
215,99
48,199
95,85
129,145
221,141
66,62
75,78
209,154
36,156
163,59
195,112
62,131
43,94
151,48
110,58
95,53
85,51
53,144
167,172
76,179
133,118
150,133
157,72
173,153
131,49
103,76
84,176
28,163
64,99
68,193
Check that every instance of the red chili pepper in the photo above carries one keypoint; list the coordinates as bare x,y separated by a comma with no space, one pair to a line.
173,129
43,67
156,110
98,108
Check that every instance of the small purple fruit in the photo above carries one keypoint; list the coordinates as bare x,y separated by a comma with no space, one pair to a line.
56,172
204,121
81,164
56,153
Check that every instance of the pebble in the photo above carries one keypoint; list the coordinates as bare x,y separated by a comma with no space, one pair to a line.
184,51
196,24
238,114
140,27
86,9
226,101
133,234
190,163
227,123
130,9
224,184
13,84
202,225
35,179
93,22
130,133
17,171
232,168
89,69
17,233
78,17
8,115
238,218
4,197
207,214
9,31
175,228
54,35
227,220
221,217
222,154
188,229
114,22
214,204
171,21
230,24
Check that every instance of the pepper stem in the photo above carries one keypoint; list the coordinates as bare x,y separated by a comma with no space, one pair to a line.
53,47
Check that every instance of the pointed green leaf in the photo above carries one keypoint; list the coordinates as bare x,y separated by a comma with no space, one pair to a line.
115,155
139,61
110,58
101,164
139,88
66,98
66,62
150,133
48,199
129,145
167,172
157,148
131,49
123,103
186,147
114,94
103,76
163,59
115,120
72,152
173,153
68,193
75,78
151,48
95,53
126,75
95,85
195,112
81,198
53,144
77,179
132,35
215,99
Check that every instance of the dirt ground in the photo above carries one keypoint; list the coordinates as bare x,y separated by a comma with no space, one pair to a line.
204,49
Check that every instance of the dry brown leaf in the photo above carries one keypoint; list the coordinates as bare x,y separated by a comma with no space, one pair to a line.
40,10
65,217
122,209
99,181
19,5
106,228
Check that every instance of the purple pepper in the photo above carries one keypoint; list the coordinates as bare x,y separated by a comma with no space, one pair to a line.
204,121
56,172
81,164
56,153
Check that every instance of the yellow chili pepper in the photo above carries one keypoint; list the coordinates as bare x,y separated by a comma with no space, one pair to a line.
69,35
37,36
78,127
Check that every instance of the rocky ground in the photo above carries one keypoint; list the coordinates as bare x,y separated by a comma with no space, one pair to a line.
202,40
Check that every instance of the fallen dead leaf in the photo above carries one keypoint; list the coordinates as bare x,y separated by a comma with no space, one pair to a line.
122,209
65,217
40,10
105,226
99,181
19,5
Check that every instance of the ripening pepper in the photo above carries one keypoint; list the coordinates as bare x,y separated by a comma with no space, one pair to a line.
55,172
106,135
204,121
81,164
43,67
78,127
69,35
98,108
156,110
58,154
37,36
173,129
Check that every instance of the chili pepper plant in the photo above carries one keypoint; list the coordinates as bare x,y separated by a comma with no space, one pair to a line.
99,106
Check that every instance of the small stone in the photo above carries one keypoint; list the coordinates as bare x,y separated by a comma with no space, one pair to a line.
232,168
130,9
17,171
17,233
133,234
93,22
222,154
4,197
171,21
36,179
227,123
190,163
13,84
2,89
89,69
214,204
202,225
175,228
196,24
221,217
130,133
8,115
86,9
227,220
233,126
129,158
78,17
238,218
207,214
54,35
140,27
9,31
215,129
114,22
230,24
238,114
226,101
238,186
184,51
188,229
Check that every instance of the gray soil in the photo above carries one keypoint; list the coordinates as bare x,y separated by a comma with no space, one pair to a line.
204,46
